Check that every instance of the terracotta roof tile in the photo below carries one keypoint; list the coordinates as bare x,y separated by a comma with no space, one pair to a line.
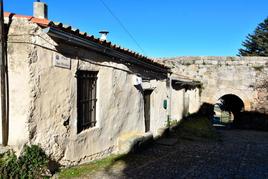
42,22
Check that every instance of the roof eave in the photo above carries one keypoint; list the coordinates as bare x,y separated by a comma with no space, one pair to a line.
79,41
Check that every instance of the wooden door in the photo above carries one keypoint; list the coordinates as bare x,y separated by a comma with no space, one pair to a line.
147,109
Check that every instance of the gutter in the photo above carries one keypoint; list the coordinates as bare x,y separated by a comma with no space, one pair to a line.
76,40
178,82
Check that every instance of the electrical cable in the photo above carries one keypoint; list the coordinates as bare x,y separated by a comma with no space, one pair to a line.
122,25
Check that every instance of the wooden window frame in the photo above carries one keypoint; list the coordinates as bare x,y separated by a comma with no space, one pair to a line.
86,99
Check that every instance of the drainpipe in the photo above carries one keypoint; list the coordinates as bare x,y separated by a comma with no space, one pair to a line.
169,99
3,78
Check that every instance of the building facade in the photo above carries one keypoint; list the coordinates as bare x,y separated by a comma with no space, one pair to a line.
81,98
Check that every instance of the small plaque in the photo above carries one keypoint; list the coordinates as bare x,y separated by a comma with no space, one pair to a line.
61,61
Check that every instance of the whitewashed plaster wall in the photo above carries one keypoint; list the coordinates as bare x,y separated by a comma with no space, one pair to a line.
43,98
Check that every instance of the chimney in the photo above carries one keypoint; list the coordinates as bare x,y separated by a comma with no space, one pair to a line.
40,9
104,34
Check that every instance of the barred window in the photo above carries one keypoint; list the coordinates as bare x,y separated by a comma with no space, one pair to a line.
86,99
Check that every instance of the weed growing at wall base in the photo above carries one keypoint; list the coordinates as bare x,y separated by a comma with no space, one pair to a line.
86,169
171,123
31,164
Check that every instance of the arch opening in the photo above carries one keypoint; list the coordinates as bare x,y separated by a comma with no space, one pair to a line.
231,103
227,108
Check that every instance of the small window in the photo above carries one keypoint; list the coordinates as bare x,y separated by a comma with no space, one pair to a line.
86,99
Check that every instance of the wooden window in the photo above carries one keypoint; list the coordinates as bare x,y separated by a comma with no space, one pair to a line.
86,99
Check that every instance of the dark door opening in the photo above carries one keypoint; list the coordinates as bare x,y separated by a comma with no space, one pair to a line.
147,108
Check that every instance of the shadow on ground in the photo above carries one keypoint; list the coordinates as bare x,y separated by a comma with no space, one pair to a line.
193,128
196,142
251,120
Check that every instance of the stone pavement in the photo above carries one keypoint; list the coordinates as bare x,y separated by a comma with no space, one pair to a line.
240,154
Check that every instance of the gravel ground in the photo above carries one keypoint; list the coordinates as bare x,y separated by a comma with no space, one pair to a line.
240,154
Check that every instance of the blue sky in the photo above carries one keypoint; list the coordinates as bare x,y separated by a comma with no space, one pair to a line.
163,28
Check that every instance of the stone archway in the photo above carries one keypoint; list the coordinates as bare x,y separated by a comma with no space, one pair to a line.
238,93
232,103
228,107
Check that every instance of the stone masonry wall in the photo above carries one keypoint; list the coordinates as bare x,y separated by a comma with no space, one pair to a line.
242,76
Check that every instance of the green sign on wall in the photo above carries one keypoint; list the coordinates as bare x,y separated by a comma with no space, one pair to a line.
165,104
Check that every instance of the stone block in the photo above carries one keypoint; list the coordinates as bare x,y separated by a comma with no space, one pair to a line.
133,142
199,62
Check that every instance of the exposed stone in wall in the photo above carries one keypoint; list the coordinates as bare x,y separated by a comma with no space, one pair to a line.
261,88
241,76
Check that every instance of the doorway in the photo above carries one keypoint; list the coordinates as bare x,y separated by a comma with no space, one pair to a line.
147,108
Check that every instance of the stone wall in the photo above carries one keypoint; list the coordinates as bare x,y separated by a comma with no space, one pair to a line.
241,76
261,88
43,97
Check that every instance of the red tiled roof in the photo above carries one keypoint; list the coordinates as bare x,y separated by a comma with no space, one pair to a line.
42,22
47,23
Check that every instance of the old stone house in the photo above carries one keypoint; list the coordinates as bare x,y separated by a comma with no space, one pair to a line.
81,97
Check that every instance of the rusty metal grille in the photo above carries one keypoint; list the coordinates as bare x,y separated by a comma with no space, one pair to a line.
86,99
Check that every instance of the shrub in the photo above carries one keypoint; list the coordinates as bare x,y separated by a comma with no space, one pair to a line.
173,122
31,164
9,166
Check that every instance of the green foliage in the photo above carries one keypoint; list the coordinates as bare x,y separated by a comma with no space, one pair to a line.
86,169
195,126
9,166
173,122
256,44
170,123
31,164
